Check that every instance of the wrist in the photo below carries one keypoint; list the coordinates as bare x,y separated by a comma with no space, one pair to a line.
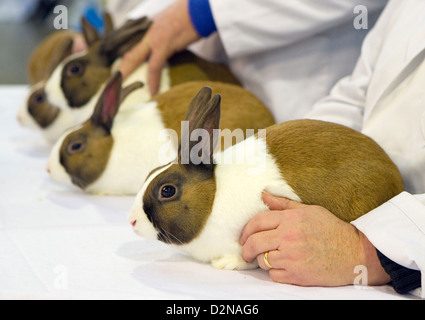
376,273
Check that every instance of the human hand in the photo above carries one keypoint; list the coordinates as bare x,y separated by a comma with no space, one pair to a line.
171,32
309,246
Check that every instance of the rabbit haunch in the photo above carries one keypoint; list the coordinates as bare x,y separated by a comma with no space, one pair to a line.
203,208
115,158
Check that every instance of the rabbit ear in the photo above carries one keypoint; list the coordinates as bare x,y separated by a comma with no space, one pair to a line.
129,89
108,104
108,22
63,50
203,116
90,33
49,54
196,106
119,41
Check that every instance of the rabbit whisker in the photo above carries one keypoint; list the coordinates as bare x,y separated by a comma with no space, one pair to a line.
169,236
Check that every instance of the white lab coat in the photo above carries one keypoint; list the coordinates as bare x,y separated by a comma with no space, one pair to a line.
288,53
385,99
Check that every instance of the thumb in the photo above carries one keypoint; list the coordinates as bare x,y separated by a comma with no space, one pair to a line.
277,203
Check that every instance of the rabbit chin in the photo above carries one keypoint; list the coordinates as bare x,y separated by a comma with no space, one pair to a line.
25,119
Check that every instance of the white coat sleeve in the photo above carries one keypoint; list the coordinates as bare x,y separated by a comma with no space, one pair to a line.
251,26
397,230
347,100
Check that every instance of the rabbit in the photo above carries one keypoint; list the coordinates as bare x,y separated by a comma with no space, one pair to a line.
202,205
37,112
113,152
76,84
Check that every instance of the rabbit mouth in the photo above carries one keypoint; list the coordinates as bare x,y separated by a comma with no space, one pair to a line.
79,182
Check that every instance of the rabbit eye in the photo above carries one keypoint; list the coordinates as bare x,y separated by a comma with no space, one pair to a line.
38,98
74,69
76,147
168,191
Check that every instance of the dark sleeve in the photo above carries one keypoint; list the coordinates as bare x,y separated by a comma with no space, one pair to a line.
402,279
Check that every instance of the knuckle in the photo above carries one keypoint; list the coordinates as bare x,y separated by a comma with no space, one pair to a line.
250,245
296,215
249,250
257,220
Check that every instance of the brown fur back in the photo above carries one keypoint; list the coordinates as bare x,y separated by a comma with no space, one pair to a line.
240,109
185,66
333,166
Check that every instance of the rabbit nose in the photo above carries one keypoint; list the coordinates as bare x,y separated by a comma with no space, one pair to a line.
133,223
48,169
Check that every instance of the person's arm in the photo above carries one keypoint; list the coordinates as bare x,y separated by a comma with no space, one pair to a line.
309,246
245,27
404,280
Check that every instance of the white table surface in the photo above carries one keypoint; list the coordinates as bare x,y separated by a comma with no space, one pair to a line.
59,243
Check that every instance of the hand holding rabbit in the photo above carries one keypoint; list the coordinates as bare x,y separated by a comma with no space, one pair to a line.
301,241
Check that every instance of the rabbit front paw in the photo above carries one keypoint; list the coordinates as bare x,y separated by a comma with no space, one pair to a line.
233,262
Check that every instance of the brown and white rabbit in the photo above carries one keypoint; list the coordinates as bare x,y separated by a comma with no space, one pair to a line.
38,112
77,83
113,152
202,208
